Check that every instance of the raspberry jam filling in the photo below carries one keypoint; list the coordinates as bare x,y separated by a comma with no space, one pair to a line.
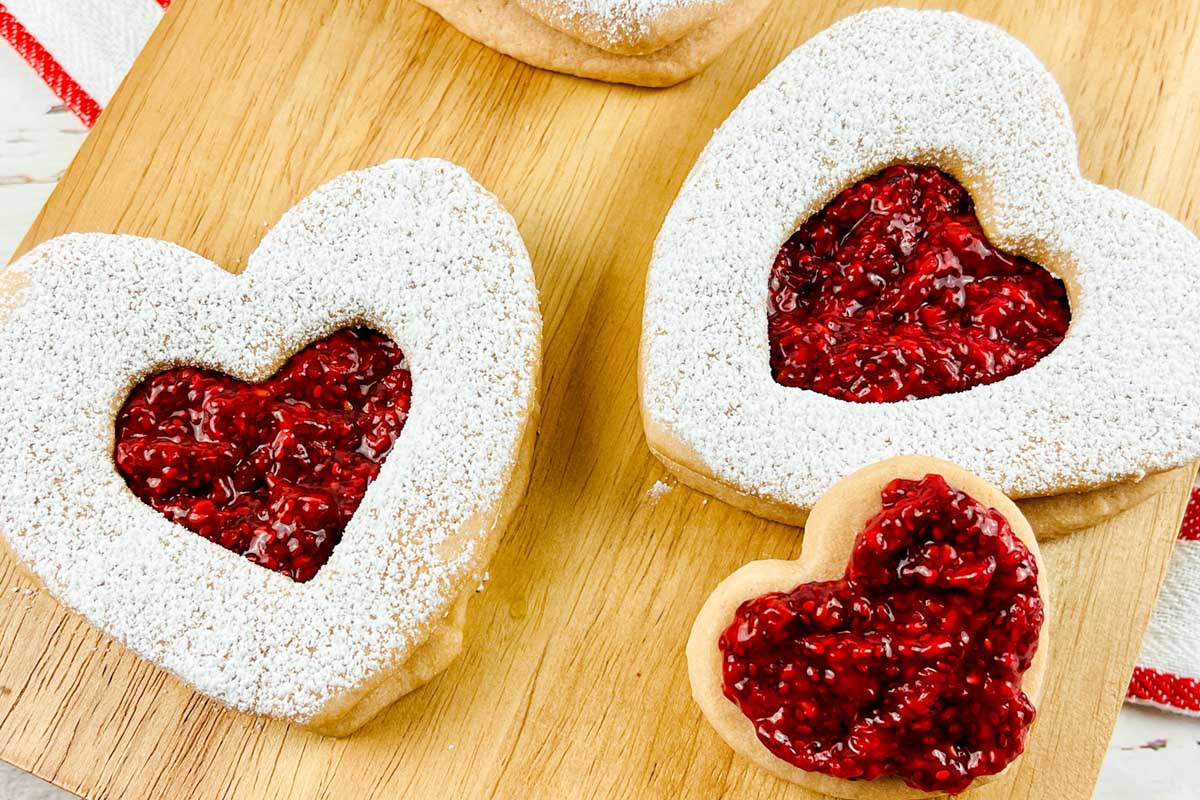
911,664
273,470
892,292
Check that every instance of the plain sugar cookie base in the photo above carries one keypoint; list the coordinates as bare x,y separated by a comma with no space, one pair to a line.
835,523
1061,514
349,711
504,26
1051,516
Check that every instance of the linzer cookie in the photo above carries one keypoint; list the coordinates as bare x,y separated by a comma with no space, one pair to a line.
644,42
903,655
888,248
281,486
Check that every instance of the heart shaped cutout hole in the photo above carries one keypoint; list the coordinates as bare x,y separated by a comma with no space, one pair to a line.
275,470
911,663
893,292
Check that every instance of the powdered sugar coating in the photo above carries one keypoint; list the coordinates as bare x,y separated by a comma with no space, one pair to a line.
658,491
417,250
612,24
1114,401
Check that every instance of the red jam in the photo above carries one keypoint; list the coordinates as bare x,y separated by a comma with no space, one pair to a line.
911,664
274,470
892,292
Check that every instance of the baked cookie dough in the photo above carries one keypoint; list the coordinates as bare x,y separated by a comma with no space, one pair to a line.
509,27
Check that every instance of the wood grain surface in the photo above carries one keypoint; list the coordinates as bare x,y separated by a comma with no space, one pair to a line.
573,681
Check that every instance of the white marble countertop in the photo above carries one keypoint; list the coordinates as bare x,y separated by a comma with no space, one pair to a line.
1153,755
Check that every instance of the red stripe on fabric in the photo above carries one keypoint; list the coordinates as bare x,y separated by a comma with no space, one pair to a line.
62,84
1165,689
1190,529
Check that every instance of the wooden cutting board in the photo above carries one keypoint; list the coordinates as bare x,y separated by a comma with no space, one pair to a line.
573,681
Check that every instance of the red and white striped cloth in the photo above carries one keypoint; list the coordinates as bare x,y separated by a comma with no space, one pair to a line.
1168,671
83,48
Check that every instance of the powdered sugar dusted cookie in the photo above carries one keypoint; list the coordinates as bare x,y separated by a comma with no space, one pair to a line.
405,431
643,42
920,587
888,248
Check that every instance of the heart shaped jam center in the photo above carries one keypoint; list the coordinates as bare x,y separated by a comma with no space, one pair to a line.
911,664
893,292
274,470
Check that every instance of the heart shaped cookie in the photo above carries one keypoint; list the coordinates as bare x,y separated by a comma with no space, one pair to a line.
869,259
410,257
903,653
651,43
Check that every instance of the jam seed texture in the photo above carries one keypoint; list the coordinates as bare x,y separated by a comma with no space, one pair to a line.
893,292
272,471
